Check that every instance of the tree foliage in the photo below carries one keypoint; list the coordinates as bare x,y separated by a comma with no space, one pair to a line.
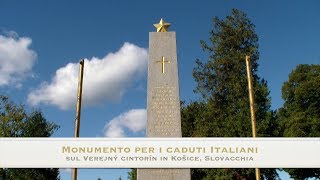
300,114
223,110
15,122
132,175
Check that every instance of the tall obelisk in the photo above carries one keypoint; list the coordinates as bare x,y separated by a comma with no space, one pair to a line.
163,102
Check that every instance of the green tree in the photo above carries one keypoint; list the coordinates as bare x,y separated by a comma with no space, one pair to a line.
15,122
300,114
223,110
132,175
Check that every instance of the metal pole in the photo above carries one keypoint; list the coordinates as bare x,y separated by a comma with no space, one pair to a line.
251,98
78,112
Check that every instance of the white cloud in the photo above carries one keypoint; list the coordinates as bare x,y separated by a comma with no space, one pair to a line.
16,58
135,120
104,80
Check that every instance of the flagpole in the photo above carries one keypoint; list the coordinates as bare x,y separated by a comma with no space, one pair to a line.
251,98
78,112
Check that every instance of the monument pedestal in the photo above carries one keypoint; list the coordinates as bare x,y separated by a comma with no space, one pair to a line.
163,102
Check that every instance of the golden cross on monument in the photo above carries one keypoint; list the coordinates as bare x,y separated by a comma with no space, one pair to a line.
162,26
163,61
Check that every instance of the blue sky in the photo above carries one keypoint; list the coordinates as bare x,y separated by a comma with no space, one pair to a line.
43,41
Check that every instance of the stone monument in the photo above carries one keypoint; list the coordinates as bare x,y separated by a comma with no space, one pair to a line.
163,102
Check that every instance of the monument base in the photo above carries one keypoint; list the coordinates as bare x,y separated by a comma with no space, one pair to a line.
163,174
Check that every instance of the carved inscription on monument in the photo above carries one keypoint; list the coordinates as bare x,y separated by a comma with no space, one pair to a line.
163,107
